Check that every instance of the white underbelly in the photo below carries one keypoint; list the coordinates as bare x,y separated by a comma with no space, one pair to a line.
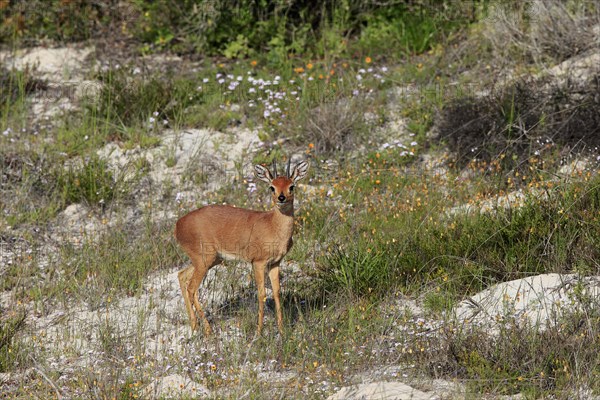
230,256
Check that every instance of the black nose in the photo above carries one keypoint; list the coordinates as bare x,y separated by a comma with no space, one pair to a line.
281,198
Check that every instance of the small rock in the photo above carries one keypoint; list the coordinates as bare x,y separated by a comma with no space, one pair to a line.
537,300
4,378
53,64
574,168
579,69
381,391
175,386
74,212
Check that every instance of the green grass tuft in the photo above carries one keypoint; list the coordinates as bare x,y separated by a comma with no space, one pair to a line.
10,349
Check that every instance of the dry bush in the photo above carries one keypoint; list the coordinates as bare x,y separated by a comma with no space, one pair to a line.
523,358
334,126
522,119
543,29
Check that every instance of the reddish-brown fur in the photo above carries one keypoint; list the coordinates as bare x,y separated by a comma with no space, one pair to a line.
213,233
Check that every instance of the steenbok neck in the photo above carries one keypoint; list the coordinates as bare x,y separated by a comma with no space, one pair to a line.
286,210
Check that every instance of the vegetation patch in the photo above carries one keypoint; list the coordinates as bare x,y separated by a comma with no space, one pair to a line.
93,183
496,365
455,255
15,85
77,20
523,120
11,324
542,31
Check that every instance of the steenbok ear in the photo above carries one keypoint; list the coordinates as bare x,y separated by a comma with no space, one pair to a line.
300,171
263,174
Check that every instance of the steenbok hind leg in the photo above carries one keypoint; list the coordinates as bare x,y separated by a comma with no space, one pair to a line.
184,278
192,291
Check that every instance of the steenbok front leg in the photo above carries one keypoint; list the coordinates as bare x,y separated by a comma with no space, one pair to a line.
274,277
259,277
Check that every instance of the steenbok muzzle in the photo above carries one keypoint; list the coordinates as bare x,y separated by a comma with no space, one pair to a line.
213,233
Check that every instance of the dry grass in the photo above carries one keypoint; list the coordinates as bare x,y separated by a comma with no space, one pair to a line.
335,126
522,121
543,30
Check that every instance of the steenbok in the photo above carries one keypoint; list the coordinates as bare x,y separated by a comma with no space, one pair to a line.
213,233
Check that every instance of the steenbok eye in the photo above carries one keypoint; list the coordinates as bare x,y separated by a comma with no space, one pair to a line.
292,188
272,189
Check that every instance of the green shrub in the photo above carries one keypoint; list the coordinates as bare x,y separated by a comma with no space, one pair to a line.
144,101
359,271
412,27
93,183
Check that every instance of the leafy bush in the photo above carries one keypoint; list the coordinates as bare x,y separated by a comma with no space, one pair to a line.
284,27
411,27
279,29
